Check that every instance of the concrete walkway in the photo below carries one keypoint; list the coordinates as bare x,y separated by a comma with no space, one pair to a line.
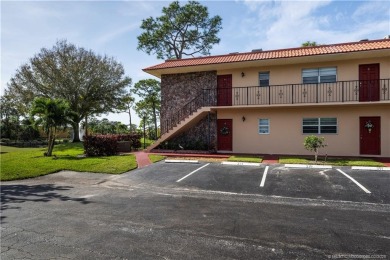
270,159
384,160
142,159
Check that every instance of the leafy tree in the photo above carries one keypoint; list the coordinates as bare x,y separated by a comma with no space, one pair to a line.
314,143
9,115
150,91
309,44
53,114
105,126
145,113
28,131
181,30
92,84
126,105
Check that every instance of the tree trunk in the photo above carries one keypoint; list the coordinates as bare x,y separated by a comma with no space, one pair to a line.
76,132
51,141
86,126
51,145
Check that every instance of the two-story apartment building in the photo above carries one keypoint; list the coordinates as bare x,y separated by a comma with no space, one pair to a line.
267,102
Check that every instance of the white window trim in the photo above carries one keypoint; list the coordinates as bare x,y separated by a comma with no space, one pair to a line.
269,126
269,78
319,126
319,74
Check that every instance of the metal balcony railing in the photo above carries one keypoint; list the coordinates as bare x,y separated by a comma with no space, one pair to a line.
203,99
340,91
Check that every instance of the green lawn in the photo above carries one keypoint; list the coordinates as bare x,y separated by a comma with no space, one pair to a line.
332,161
251,159
147,143
156,158
21,163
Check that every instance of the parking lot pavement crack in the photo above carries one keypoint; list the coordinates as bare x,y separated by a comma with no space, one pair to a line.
41,238
260,244
259,198
5,249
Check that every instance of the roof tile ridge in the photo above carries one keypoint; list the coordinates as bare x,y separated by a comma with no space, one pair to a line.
281,50
203,57
318,46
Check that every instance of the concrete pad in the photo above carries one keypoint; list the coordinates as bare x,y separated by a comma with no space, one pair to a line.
308,166
370,168
241,163
181,161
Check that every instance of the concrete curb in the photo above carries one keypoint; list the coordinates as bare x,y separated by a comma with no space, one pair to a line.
182,161
241,163
308,166
370,168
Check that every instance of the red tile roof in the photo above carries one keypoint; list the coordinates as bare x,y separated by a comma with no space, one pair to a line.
276,54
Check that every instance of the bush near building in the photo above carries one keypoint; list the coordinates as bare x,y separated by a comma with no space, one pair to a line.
102,145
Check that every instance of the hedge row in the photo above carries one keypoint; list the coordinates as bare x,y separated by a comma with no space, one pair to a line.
104,145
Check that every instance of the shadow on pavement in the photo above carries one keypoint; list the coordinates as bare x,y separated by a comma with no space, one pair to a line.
11,195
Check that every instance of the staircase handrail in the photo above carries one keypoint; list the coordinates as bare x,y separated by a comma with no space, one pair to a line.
202,99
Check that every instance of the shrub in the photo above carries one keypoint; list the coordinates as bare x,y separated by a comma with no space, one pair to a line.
134,138
29,133
185,145
313,143
101,145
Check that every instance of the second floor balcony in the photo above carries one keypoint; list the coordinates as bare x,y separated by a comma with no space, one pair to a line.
340,91
356,91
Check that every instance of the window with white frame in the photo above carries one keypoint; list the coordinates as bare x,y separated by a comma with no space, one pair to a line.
264,79
263,126
326,125
319,75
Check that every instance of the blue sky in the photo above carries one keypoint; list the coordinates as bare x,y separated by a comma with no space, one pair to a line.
112,27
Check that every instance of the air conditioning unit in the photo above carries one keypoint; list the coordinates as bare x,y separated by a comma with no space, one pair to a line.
257,50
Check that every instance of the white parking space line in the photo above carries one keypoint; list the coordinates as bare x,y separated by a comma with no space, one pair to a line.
264,176
192,173
357,183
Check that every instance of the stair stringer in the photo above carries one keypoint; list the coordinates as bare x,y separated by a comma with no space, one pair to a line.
181,127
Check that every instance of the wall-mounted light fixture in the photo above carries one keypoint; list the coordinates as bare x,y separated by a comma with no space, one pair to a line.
243,118
242,74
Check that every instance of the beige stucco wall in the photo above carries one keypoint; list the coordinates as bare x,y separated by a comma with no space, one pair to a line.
292,74
286,128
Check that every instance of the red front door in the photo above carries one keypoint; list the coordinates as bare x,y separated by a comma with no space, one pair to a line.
370,135
369,82
225,134
224,90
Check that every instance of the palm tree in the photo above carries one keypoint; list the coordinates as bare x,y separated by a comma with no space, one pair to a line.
52,115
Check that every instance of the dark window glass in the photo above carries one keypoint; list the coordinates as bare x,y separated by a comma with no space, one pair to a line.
326,125
264,79
319,75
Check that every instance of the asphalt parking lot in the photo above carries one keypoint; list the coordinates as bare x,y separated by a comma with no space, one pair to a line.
198,211
328,184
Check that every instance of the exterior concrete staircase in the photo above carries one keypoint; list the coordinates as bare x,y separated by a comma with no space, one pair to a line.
182,126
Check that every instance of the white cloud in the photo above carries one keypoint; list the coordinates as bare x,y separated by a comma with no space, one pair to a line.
370,10
284,24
